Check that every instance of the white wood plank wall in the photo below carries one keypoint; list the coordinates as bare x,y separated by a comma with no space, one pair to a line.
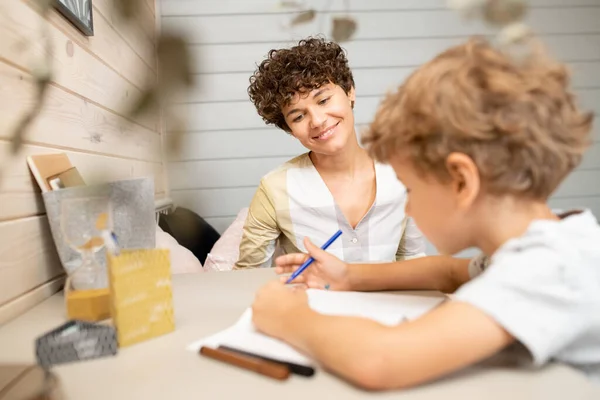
95,78
228,147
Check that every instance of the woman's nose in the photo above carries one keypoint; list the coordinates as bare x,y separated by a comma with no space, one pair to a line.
317,118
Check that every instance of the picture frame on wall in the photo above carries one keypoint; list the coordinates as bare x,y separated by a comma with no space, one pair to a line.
79,13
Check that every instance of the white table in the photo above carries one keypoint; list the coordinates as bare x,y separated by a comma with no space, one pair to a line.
206,303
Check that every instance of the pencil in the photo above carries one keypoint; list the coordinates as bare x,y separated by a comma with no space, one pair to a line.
311,260
260,366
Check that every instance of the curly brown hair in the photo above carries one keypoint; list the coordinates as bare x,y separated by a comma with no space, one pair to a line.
300,69
517,121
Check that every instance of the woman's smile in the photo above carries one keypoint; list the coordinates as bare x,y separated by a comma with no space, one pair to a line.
327,133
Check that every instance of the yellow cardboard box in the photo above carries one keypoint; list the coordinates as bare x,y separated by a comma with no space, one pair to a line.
141,294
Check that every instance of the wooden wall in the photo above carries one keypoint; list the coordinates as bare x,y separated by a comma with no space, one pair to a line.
228,147
95,79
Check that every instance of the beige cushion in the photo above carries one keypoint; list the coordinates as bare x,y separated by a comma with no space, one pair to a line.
225,252
183,261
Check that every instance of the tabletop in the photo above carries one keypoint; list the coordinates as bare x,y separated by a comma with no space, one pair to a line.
205,303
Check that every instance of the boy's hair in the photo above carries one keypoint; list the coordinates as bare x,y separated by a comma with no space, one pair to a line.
517,121
300,69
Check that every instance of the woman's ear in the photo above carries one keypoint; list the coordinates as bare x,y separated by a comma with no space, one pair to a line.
464,175
352,94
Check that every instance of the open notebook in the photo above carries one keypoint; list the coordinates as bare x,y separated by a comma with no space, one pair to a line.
386,308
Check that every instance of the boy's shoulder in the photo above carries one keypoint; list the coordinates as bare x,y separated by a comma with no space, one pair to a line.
544,288
574,237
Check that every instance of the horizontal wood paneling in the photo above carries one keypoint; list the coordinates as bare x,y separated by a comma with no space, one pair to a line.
215,203
138,33
70,122
226,186
19,193
368,81
220,224
254,143
267,142
28,256
75,69
151,5
108,45
580,183
230,147
375,25
569,203
209,116
211,7
94,82
222,58
19,305
211,174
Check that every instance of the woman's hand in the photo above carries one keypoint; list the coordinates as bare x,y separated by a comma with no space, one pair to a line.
275,305
326,272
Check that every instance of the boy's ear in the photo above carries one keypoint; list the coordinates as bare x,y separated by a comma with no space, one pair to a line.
465,178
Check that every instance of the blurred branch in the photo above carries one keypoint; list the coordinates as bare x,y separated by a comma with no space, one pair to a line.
175,75
42,76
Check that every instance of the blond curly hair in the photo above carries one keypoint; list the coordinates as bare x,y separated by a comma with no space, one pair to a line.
517,121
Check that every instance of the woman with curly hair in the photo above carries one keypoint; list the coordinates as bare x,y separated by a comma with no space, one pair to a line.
308,92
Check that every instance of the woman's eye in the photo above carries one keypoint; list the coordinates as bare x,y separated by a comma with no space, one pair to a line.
324,101
297,119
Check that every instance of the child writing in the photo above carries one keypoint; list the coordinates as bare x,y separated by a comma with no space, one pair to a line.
480,142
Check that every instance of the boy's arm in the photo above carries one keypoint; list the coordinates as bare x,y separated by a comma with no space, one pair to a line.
260,232
378,357
443,273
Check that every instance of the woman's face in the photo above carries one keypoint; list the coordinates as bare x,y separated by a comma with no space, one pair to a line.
322,120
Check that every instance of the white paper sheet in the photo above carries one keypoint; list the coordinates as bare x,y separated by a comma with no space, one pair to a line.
386,308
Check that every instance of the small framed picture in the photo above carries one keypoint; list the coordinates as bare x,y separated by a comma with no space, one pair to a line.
79,13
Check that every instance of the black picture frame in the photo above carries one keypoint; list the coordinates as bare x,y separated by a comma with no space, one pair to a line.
69,10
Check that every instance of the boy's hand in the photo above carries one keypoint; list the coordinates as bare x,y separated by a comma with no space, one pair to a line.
275,304
326,272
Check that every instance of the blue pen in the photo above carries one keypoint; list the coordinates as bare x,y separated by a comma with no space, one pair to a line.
310,260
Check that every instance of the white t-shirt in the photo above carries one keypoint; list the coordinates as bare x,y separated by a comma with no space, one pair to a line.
544,288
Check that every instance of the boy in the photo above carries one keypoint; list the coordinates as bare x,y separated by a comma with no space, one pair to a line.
480,143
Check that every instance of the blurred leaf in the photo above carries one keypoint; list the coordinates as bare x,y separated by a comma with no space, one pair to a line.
128,8
303,17
143,104
43,5
504,12
175,73
42,75
291,4
175,135
174,60
343,28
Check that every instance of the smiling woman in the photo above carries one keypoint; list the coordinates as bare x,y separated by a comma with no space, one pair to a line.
308,92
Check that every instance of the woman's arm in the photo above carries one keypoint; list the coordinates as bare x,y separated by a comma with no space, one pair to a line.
260,233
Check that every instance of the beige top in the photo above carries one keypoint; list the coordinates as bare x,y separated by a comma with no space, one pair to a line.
206,303
293,202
